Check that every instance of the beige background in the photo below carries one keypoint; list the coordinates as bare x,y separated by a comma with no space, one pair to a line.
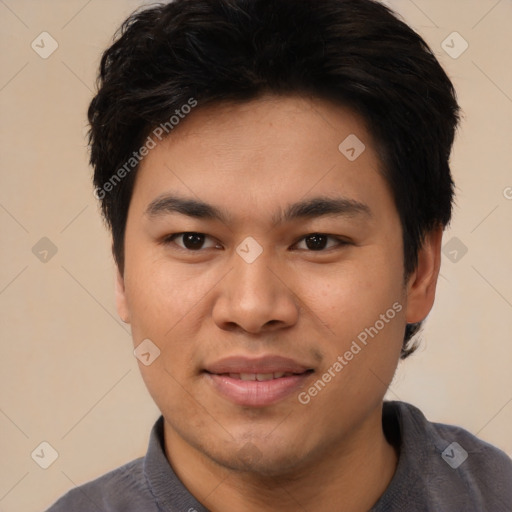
67,373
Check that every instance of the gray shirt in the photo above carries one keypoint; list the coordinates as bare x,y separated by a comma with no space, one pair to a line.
441,468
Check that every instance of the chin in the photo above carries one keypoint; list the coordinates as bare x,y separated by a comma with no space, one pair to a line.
260,459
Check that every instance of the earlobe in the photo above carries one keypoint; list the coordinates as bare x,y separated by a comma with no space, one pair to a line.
121,300
421,288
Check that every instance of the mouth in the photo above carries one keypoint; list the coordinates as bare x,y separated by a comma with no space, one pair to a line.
260,377
257,382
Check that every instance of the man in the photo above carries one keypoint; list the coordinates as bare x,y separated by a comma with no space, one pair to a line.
275,175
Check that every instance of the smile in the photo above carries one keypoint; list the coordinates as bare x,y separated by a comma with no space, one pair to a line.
257,389
259,376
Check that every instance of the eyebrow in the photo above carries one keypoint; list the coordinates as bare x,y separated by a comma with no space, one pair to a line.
306,209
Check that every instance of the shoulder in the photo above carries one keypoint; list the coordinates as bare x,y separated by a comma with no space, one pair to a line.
485,469
122,489
453,469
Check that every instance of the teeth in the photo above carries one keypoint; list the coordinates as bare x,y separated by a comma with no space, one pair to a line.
264,376
259,376
247,376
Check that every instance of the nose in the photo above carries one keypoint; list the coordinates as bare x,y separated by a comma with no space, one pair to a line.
255,297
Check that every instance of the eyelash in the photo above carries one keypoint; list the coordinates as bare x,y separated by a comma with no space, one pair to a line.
170,239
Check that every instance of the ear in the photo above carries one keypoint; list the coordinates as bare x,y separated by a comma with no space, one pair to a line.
121,301
421,286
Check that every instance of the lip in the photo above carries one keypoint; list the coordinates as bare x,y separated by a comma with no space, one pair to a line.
254,393
265,364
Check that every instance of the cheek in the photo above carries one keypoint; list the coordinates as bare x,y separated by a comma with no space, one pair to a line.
164,301
364,311
352,297
160,294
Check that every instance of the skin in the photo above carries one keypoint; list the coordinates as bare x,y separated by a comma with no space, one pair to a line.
252,160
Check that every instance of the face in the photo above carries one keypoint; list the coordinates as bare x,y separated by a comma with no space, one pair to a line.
266,264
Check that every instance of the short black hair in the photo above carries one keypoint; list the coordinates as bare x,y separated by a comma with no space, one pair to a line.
357,53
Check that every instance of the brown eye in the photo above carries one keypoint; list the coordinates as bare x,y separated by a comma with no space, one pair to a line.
319,242
190,241
316,242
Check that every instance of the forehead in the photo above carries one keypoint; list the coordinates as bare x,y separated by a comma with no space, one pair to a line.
266,152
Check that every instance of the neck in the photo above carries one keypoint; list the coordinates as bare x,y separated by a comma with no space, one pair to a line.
351,477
